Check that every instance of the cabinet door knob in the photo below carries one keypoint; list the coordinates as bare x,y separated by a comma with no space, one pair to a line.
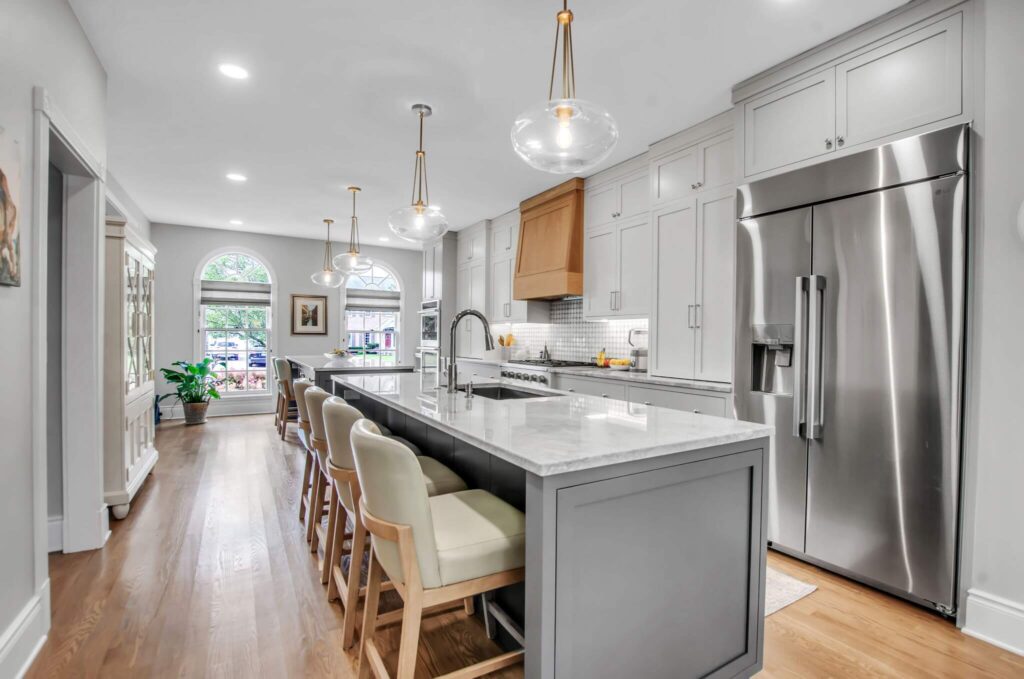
840,141
647,403
696,185
828,143
604,395
572,390
697,410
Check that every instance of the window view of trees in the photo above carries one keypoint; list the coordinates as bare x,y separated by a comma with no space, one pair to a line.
237,334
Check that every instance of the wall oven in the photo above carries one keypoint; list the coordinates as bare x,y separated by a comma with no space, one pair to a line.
430,324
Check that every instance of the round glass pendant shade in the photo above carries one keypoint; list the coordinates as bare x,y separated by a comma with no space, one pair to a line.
418,224
564,136
352,262
328,278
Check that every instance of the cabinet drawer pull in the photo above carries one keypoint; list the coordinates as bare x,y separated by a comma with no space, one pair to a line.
570,389
604,395
647,403
697,410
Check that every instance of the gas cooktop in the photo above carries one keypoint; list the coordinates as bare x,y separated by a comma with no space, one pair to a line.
550,363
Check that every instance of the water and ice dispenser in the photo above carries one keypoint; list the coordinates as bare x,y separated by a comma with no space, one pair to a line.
772,359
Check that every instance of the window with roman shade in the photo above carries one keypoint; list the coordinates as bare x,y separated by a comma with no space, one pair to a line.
373,302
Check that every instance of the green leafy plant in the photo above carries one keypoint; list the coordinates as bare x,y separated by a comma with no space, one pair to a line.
195,382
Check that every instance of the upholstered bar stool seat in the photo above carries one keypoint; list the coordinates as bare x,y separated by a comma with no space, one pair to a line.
435,550
476,534
299,387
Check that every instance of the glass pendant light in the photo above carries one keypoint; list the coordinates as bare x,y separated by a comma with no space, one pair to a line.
328,277
352,261
564,135
420,221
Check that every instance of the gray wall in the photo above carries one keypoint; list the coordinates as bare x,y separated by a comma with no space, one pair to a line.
995,441
41,44
181,249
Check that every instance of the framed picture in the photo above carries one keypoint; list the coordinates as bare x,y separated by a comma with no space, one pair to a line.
309,315
10,195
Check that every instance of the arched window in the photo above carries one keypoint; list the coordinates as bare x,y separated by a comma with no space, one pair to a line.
373,302
234,320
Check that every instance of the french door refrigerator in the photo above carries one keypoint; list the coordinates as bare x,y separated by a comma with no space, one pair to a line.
850,317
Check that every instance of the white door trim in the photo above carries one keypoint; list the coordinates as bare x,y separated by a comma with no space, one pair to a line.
85,516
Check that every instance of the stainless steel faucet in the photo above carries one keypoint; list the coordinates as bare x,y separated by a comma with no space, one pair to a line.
453,370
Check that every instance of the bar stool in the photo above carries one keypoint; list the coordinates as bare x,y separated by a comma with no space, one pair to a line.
339,417
315,397
434,549
299,388
287,410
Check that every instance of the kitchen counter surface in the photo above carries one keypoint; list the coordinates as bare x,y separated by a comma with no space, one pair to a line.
341,363
621,375
556,433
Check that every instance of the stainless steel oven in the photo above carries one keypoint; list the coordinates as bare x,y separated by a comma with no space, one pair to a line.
430,359
430,324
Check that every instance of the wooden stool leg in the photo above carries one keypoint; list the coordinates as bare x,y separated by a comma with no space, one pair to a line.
304,497
369,616
332,519
353,581
316,506
412,614
467,603
337,552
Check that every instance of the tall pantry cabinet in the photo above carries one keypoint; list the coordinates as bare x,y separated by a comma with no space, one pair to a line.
129,372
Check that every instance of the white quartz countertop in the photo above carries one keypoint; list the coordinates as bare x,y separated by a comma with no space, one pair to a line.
553,434
621,375
342,363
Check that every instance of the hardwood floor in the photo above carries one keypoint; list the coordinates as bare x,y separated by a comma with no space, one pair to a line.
210,576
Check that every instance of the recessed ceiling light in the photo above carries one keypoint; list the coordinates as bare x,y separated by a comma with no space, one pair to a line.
235,177
384,239
233,71
237,222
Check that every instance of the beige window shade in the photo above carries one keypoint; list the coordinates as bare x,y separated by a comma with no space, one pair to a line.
368,300
234,294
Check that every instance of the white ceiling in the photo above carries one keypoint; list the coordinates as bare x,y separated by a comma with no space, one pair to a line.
327,103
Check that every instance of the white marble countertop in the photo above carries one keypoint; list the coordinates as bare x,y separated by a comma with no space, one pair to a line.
557,433
621,375
341,363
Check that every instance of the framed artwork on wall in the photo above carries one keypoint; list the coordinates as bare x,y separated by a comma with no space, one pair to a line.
309,315
10,195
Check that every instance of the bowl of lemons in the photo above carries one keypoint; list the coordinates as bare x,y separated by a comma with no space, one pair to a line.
618,364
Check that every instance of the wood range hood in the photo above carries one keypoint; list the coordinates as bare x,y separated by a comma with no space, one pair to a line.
549,261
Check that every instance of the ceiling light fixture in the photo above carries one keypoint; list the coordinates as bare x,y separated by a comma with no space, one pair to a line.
328,277
237,222
352,261
233,71
420,221
564,135
235,177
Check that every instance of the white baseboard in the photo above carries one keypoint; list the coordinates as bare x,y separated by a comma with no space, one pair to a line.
55,534
238,405
21,641
995,620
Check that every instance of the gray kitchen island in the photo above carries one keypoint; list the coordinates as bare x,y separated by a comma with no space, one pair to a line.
319,369
645,526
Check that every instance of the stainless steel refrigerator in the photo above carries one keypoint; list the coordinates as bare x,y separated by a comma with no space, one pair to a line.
850,326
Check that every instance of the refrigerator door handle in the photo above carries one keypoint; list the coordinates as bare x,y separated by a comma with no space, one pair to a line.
800,357
815,350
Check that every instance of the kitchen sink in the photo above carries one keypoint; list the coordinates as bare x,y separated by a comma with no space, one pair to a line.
500,392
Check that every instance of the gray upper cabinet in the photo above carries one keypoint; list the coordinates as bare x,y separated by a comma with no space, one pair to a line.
619,199
501,307
687,171
473,243
433,268
907,78
908,82
790,124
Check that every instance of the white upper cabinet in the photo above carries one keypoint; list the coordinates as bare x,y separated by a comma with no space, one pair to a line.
896,78
790,124
433,268
713,315
674,254
600,271
473,243
505,235
674,175
471,293
901,85
717,162
501,307
617,199
502,271
633,293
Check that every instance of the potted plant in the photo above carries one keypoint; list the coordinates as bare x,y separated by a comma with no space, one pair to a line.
196,384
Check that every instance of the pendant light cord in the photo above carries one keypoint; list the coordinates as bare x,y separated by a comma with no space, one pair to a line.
420,189
328,264
563,25
353,236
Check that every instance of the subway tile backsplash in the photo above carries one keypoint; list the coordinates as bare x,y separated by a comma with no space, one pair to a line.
571,338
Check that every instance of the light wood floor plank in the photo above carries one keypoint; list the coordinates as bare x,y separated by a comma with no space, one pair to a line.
210,576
